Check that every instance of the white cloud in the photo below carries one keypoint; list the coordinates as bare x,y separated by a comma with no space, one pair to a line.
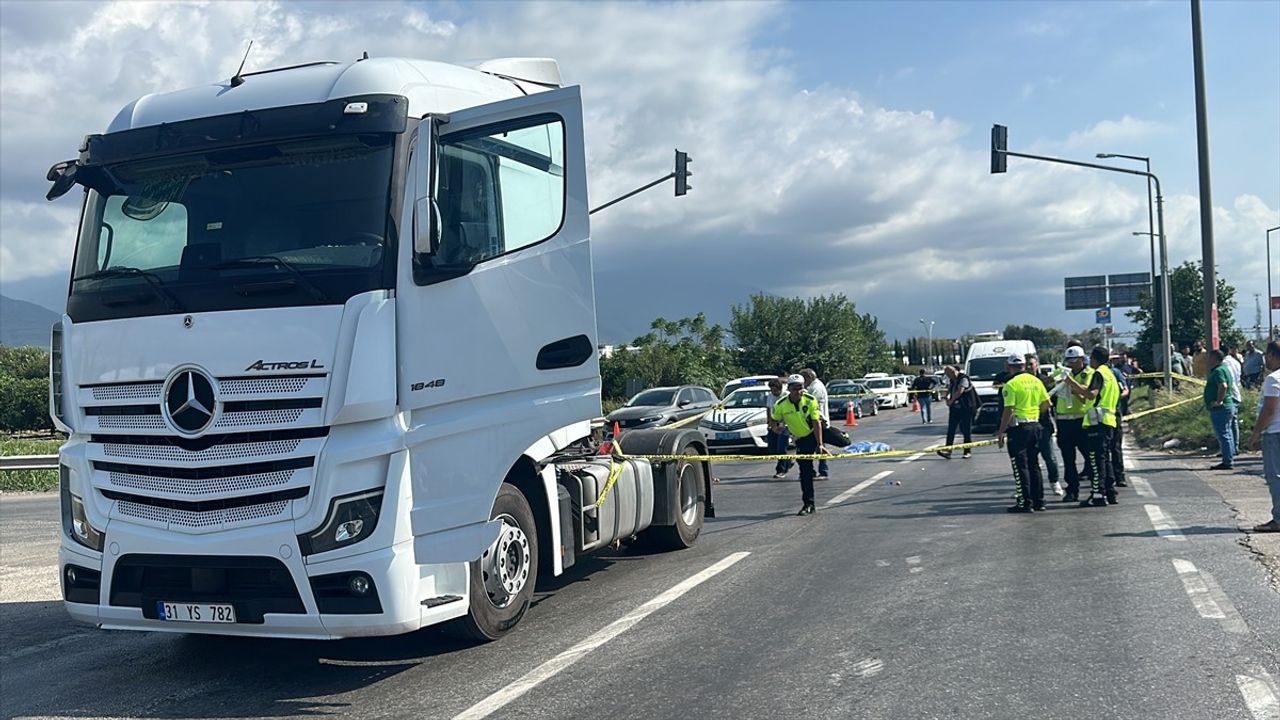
1107,133
795,190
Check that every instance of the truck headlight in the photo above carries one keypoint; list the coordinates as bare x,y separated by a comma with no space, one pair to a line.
351,518
75,522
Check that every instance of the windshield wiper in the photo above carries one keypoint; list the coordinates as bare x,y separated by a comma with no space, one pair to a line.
153,281
272,260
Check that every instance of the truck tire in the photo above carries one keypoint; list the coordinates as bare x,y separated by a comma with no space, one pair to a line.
501,580
692,504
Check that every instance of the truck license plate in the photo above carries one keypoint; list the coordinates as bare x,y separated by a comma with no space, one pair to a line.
196,612
726,436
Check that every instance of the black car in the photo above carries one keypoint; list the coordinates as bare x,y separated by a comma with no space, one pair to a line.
662,406
837,407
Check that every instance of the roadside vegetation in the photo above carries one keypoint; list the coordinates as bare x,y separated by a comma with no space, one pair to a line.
1188,424
29,444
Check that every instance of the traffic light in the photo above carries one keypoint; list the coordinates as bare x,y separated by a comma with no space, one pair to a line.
682,172
999,145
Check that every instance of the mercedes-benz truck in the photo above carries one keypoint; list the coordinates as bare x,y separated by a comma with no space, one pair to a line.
328,360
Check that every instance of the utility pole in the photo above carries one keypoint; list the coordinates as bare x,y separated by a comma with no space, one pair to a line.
1257,318
1206,196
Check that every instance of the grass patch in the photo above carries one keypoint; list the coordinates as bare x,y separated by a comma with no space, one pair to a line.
1187,423
29,480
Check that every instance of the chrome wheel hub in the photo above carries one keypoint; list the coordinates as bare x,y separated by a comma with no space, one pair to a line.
505,565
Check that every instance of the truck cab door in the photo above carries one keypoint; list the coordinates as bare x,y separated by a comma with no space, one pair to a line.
496,325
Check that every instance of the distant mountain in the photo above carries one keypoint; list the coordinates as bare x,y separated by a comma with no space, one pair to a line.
24,323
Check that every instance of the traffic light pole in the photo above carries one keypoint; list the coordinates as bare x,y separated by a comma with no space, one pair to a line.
637,191
680,175
1000,138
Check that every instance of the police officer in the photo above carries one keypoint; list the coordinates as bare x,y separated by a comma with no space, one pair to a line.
798,411
1070,410
1101,396
1024,399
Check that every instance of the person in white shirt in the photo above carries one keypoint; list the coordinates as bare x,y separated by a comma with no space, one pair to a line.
1266,432
1235,367
818,390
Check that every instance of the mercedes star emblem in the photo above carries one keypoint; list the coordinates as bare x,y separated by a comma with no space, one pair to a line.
190,401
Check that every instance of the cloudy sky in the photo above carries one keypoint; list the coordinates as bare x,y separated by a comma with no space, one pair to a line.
837,147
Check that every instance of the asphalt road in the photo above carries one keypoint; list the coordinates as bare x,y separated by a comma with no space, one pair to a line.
915,600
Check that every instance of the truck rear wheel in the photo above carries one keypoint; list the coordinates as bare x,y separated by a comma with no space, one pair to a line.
501,580
692,500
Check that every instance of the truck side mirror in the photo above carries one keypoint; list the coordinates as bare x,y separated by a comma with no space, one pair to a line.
63,177
426,211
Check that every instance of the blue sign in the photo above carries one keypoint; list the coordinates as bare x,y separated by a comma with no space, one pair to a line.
1102,316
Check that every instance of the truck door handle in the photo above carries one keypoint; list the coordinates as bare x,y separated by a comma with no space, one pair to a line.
566,353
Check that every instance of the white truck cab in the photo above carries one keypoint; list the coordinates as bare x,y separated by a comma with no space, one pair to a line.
328,361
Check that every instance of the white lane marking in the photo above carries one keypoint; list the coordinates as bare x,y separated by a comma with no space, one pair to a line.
32,583
913,560
1142,487
1198,590
545,671
882,563
1208,597
1260,695
919,455
868,667
1164,525
859,487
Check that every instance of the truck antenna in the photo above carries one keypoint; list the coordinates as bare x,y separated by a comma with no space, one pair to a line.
237,80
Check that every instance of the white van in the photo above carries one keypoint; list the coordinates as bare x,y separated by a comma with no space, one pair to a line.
985,361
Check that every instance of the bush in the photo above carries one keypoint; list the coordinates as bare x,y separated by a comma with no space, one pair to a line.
1188,423
24,389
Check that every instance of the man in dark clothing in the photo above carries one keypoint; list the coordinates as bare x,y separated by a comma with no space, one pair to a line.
922,393
963,403
1046,426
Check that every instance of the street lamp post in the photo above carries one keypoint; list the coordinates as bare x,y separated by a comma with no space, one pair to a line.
1151,222
1000,153
929,326
1270,323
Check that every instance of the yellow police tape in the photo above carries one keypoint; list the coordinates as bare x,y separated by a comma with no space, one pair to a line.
1175,376
1162,408
615,467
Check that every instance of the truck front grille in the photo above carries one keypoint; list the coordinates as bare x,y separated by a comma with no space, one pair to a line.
255,458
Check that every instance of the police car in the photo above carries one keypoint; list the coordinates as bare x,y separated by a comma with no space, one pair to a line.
740,421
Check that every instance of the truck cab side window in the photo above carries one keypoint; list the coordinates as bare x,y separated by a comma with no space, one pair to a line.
499,189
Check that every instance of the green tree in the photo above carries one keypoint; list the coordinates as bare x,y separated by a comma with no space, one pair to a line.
24,389
1049,341
1186,296
675,352
825,333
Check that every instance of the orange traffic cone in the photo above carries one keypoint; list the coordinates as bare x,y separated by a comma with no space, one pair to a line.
850,419
915,404
606,447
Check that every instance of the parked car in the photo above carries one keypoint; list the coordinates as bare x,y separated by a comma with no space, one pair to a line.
662,406
749,381
862,406
741,422
892,391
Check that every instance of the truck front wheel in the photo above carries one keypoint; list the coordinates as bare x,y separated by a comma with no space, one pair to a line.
501,580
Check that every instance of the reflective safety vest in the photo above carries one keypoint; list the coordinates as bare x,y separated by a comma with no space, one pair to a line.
1068,405
1104,409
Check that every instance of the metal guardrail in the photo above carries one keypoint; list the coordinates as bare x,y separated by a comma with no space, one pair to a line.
28,462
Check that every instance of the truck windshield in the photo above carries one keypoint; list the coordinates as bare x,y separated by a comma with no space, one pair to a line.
303,222
985,368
